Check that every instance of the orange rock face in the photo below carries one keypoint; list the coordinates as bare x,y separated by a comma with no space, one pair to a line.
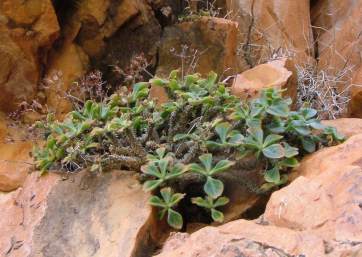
15,160
250,83
346,126
318,214
273,24
355,105
79,217
212,40
339,41
27,29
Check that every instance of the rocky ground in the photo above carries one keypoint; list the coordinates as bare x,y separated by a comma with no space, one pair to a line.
310,48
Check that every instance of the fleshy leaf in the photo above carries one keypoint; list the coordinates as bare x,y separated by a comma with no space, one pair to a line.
221,166
274,151
174,219
213,187
272,175
221,201
150,185
217,216
156,201
206,160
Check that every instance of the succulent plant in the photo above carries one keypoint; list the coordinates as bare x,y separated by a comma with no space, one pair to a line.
199,135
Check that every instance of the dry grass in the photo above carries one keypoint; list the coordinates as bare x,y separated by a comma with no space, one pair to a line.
321,90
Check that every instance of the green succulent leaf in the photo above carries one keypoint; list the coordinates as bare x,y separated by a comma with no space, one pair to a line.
290,151
151,185
221,166
199,201
272,175
217,216
222,130
289,162
206,160
274,151
194,167
213,187
156,201
281,109
308,144
271,139
221,201
174,219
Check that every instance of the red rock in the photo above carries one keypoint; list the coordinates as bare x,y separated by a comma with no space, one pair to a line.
332,158
318,214
27,29
250,83
346,126
339,46
15,160
214,39
268,25
355,105
84,215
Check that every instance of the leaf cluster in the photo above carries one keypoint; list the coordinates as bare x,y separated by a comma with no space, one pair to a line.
200,134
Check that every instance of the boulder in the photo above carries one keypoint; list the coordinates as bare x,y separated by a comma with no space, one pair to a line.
204,45
250,83
76,216
318,214
28,29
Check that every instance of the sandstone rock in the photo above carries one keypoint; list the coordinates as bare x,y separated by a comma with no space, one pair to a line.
326,205
82,216
355,105
318,214
339,47
242,238
250,83
99,36
325,14
346,126
267,27
66,65
332,158
14,164
28,29
273,29
214,39
15,159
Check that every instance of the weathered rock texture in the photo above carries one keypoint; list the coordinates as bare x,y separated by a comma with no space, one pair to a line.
99,35
28,29
267,26
346,126
318,214
355,105
209,42
15,159
79,217
338,34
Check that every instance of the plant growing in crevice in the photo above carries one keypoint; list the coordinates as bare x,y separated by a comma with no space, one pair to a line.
198,137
